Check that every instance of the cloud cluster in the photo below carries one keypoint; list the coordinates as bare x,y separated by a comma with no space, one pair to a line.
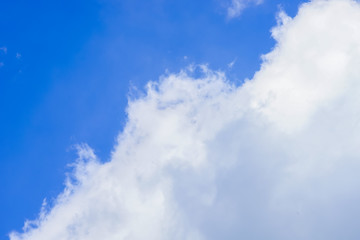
201,158
236,7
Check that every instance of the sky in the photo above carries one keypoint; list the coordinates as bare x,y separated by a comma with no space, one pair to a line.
218,119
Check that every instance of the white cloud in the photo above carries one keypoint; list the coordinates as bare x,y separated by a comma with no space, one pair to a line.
236,7
199,158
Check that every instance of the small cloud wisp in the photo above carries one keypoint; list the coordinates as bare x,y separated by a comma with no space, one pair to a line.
236,7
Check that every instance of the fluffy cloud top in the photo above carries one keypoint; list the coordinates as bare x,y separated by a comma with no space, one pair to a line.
201,158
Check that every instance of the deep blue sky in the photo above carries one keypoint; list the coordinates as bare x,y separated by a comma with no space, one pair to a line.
69,66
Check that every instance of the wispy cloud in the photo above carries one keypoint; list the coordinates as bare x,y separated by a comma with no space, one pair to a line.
3,50
236,7
200,158
231,64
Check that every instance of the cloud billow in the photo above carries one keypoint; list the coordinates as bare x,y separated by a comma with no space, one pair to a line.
201,158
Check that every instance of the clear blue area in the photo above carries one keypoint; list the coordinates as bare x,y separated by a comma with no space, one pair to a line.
69,66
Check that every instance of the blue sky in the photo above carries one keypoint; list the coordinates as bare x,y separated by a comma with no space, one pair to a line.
67,68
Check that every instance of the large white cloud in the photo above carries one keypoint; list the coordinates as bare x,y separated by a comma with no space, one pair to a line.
200,158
